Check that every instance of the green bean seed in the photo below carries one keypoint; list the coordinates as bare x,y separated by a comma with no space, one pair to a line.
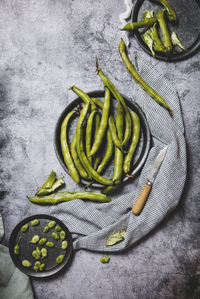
37,265
46,229
103,124
59,197
62,235
50,244
55,236
26,263
60,258
64,244
16,249
35,239
35,222
134,142
24,228
120,99
166,39
139,80
65,147
44,252
42,241
36,254
58,228
104,259
51,224
42,266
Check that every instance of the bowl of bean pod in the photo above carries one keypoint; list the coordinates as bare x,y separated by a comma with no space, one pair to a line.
40,245
167,30
94,142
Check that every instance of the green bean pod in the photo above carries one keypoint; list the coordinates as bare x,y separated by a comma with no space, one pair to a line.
103,123
134,142
171,15
120,99
88,138
108,153
76,160
59,197
97,156
119,156
113,132
65,148
80,150
96,162
49,182
141,24
166,39
139,80
58,183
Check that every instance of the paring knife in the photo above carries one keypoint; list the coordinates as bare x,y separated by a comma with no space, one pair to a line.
141,200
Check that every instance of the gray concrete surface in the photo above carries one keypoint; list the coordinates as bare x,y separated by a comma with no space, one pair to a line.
46,46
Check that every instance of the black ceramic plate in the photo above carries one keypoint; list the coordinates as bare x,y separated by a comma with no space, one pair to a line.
26,248
187,27
142,149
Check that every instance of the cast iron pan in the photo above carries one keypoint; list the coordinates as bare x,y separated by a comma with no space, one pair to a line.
142,149
187,27
26,247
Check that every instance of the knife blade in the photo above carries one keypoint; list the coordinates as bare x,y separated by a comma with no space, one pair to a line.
141,200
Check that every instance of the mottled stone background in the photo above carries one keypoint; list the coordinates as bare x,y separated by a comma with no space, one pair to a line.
46,46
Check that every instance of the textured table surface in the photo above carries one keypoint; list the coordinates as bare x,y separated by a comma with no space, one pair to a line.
46,46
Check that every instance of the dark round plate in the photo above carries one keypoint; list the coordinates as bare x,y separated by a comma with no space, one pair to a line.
26,248
187,27
141,151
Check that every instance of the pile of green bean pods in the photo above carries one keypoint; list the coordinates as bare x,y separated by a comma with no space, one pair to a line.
157,36
99,131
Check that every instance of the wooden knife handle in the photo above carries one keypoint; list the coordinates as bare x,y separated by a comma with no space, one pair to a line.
140,202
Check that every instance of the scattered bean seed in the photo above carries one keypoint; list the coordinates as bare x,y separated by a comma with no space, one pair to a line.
35,239
24,228
26,263
60,258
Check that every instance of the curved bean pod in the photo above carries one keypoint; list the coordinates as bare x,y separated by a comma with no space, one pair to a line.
119,156
139,80
59,197
88,137
166,39
108,153
113,132
171,15
65,148
134,142
80,150
103,124
120,99
141,24
76,160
